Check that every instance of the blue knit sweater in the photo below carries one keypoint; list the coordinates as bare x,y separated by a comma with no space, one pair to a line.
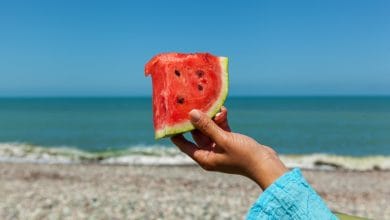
290,197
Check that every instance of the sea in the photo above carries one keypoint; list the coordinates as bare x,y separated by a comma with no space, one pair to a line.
333,132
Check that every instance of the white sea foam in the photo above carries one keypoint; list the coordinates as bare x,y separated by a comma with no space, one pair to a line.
163,155
21,152
149,160
327,161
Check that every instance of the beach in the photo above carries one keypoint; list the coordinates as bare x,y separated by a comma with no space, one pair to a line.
98,191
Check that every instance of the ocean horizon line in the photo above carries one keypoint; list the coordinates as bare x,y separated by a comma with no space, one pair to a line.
230,96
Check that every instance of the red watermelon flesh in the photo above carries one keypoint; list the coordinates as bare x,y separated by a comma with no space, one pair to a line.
182,82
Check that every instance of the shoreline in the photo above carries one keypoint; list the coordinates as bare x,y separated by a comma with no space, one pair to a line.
101,191
170,156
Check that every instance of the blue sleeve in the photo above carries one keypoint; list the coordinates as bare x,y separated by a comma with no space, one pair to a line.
290,197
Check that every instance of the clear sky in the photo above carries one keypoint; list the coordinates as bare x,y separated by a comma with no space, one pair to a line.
94,48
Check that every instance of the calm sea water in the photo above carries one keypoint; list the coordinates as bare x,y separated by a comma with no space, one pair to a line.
354,126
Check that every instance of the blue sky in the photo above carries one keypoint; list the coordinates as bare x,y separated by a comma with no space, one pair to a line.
99,48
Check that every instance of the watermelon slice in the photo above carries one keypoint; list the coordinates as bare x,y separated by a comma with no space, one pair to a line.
182,82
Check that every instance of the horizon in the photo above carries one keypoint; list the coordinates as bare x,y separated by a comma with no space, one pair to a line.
229,96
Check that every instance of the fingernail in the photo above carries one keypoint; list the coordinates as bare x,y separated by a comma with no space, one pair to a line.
218,114
195,115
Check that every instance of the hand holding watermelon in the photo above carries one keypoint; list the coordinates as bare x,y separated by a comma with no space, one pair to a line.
183,82
216,148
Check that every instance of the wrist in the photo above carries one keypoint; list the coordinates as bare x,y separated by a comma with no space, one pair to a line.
267,167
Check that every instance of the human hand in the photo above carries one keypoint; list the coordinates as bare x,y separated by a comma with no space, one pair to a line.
216,148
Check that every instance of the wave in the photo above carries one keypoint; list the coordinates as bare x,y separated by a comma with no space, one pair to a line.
134,155
169,155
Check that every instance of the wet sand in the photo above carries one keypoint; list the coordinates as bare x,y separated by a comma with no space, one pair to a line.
93,191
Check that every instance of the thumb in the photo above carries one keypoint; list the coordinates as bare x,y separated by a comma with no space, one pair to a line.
208,127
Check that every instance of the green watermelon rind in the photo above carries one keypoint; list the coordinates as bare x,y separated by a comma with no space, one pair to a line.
186,126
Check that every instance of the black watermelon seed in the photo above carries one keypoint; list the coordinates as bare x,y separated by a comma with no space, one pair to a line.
200,87
180,100
177,72
199,73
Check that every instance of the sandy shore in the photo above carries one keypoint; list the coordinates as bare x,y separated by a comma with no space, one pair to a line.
41,191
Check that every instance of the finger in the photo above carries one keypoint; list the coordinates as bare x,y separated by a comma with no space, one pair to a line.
221,119
207,126
184,145
201,140
189,148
